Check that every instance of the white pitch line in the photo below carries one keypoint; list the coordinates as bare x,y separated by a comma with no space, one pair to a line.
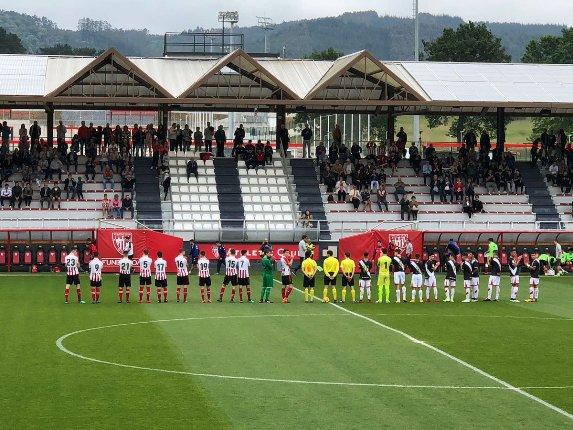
507,385
470,316
60,345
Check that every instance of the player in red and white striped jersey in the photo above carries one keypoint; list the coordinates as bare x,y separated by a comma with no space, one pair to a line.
182,275
230,275
145,275
125,266
72,263
243,264
95,266
161,277
286,276
204,277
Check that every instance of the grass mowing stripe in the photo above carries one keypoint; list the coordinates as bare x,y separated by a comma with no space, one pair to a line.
453,358
469,316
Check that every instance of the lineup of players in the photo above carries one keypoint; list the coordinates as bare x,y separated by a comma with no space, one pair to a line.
237,276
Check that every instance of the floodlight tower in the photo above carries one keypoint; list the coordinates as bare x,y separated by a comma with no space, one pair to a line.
267,25
416,120
231,17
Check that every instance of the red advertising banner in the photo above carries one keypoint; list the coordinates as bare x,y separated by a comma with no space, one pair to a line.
110,245
358,244
252,249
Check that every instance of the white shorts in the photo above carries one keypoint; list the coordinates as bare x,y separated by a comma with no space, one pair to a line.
417,281
494,280
449,283
364,283
475,282
430,281
399,278
468,283
534,282
514,280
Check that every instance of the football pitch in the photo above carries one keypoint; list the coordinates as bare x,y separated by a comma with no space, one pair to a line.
297,365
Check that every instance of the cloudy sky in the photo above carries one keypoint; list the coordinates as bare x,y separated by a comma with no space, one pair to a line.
176,15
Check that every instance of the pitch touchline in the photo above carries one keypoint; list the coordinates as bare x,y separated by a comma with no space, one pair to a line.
469,316
60,340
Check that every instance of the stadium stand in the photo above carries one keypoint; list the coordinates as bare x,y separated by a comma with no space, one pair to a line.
539,195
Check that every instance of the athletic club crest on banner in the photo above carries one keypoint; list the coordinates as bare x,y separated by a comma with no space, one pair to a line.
119,240
399,240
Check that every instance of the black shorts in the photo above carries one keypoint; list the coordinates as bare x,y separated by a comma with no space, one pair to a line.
95,284
286,280
124,280
72,279
230,279
194,260
347,282
145,280
328,281
308,282
244,281
205,282
161,283
183,280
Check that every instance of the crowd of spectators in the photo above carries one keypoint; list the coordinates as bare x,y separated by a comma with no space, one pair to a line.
555,155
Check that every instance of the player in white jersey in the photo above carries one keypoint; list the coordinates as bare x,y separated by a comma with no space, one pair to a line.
145,275
161,277
417,278
286,276
204,277
230,275
514,266
125,266
430,267
182,275
95,265
243,276
399,276
72,263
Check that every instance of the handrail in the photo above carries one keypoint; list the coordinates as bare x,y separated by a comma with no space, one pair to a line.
290,189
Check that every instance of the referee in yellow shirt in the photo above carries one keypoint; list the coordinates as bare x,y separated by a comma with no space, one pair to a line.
331,267
384,263
309,269
348,267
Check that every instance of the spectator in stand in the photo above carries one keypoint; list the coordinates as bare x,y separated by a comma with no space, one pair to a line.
126,205
490,182
16,195
366,201
22,133
56,166
198,139
459,190
172,136
106,207
336,136
166,183
45,196
382,197
306,219
485,143
518,182
84,135
90,168
404,208
477,205
138,141
399,188
220,139
186,135
208,136
6,133
306,135
179,139
61,131
354,197
79,189
341,188
116,206
27,194
128,179
56,196
470,191
72,160
268,153
414,208
467,207
239,135
6,194
553,173
69,186
355,150
283,140
448,190
192,169
35,133
108,183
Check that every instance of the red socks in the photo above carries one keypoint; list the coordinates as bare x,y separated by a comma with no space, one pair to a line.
249,293
148,294
288,291
283,293
94,294
209,294
158,294
165,294
241,293
127,294
202,295
79,292
221,292
120,294
178,293
140,294
185,295
233,293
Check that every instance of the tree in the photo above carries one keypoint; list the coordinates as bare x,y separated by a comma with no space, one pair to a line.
329,54
65,49
10,43
551,50
470,42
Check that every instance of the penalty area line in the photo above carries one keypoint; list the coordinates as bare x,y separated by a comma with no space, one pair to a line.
461,362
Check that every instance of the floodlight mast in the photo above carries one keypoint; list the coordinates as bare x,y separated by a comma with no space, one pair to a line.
231,17
267,25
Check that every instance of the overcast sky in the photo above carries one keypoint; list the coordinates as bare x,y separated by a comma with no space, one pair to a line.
176,15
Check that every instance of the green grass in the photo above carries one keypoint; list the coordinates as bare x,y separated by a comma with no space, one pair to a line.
526,345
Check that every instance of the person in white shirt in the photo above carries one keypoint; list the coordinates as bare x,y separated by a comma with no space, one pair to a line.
72,263
124,283
161,277
301,253
5,194
95,265
181,264
145,275
243,276
204,278
286,277
230,275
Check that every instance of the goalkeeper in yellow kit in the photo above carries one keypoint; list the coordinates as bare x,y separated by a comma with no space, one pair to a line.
309,269
330,266
384,263
347,268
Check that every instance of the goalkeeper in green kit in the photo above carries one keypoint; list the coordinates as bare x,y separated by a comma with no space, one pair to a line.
268,279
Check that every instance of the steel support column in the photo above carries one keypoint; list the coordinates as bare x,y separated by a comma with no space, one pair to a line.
500,130
50,123
390,124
